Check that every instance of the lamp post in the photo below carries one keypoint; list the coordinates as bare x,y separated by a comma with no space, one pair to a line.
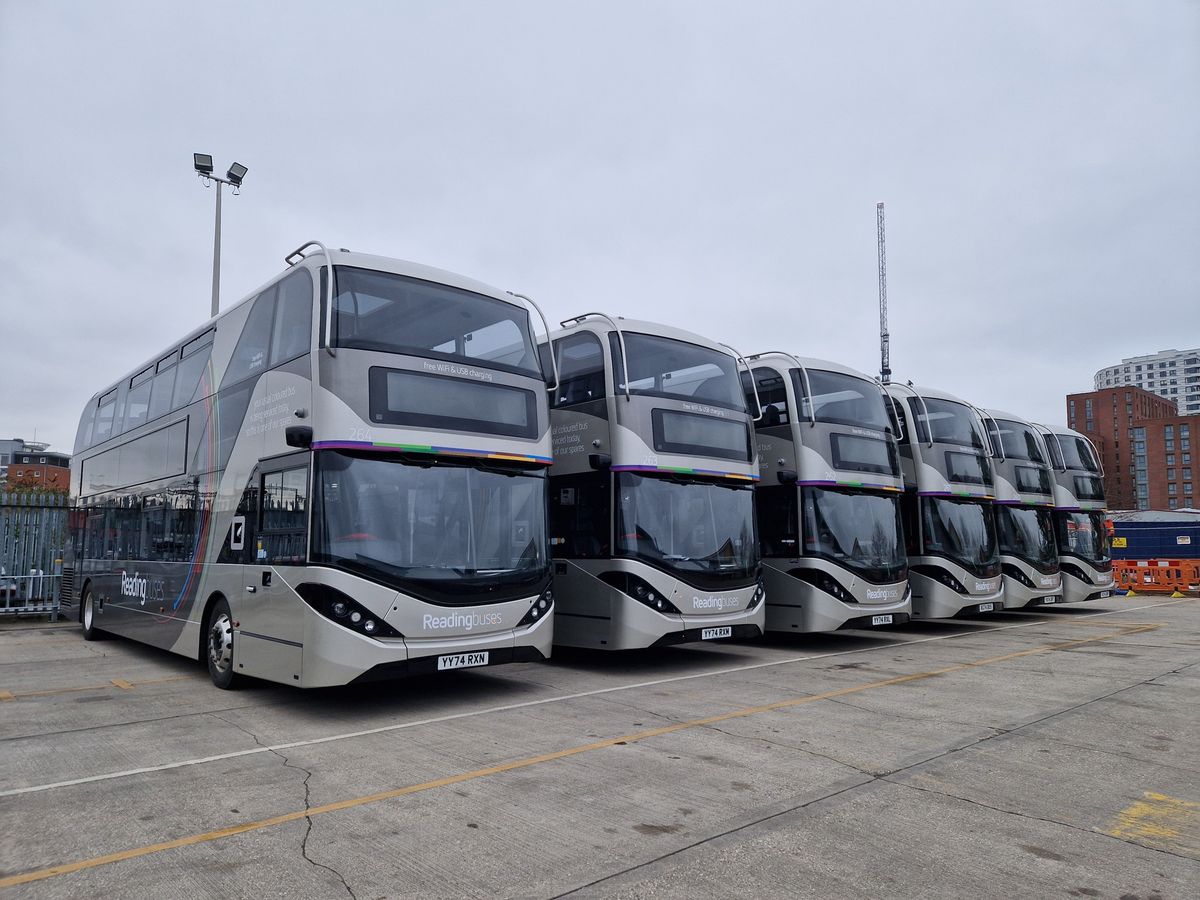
203,164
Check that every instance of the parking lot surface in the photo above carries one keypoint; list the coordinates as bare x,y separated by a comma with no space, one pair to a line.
1043,754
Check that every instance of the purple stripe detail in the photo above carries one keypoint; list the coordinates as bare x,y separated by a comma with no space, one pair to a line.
684,471
459,451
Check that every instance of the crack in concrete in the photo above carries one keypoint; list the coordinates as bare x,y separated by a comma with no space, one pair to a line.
933,720
307,803
784,746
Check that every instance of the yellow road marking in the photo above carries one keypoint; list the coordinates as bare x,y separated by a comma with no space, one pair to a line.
230,831
116,682
1162,822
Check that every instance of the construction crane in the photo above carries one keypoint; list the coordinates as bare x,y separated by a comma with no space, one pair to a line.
885,361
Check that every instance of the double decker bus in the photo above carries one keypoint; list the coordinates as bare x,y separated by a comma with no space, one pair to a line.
949,521
1024,512
829,497
651,491
341,477
1084,558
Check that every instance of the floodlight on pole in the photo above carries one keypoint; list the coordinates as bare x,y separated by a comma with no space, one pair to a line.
203,164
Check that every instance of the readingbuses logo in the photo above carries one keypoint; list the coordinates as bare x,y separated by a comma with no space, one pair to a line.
133,586
460,621
714,602
883,594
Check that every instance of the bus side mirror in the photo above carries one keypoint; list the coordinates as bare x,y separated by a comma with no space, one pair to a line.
599,460
298,436
787,476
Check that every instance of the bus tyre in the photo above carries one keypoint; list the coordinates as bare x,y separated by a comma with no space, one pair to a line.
218,644
87,617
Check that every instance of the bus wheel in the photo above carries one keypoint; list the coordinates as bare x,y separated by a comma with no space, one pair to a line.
220,647
87,616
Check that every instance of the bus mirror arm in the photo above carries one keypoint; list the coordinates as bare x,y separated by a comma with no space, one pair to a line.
294,257
549,343
741,361
298,436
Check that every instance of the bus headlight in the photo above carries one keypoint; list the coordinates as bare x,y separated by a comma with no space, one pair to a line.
344,610
539,609
760,592
1017,575
640,591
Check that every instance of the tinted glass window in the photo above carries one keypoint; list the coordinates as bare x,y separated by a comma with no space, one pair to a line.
284,518
664,367
118,419
162,391
293,318
190,383
1017,441
772,394
947,421
580,369
841,399
137,407
380,311
778,524
83,437
579,516
250,355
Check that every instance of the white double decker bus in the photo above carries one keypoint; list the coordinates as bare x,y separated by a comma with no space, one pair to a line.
829,499
341,477
652,488
1084,556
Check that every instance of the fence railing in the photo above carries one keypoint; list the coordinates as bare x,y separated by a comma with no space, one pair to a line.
33,538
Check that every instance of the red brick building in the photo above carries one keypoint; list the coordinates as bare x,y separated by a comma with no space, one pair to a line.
1144,444
42,469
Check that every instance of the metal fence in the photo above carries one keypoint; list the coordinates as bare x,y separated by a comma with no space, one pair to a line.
33,536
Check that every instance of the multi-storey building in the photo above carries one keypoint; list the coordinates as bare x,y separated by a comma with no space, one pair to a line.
1173,374
1145,446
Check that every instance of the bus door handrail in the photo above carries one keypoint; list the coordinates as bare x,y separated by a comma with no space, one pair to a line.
928,421
549,343
812,407
575,320
754,387
294,257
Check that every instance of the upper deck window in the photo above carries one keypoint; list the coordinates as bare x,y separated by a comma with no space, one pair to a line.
946,422
772,394
397,314
841,399
665,367
1017,441
1077,453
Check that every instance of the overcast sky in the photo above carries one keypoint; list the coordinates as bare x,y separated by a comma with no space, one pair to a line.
709,165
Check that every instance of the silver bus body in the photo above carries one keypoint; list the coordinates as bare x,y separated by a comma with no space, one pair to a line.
1024,512
949,522
651,490
828,498
1080,526
363,493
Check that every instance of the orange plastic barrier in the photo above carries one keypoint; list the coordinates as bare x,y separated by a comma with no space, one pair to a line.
1158,576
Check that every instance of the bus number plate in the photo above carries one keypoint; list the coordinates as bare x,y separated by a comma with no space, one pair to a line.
986,607
462,660
881,620
1104,594
1053,598
707,634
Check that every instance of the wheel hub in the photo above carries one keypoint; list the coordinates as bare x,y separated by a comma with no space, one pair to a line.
220,643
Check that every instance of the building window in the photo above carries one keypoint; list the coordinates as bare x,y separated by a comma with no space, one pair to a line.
1172,504
1187,488
1171,489
1185,444
1170,474
1170,444
1139,446
1184,431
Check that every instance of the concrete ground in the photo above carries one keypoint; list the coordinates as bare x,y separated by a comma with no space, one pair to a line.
1042,754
